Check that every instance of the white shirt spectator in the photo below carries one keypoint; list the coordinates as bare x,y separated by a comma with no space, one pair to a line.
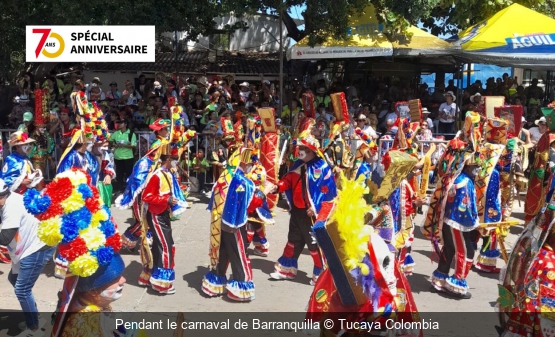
26,241
450,110
133,98
535,134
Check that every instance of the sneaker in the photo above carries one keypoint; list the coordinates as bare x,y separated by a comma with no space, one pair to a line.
279,276
23,325
31,333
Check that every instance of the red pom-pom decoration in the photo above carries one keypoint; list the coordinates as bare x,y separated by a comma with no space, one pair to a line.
72,250
114,241
386,161
59,190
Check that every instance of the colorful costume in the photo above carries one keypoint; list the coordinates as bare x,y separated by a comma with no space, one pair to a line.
269,151
44,146
18,167
106,169
526,292
362,282
488,191
136,182
307,186
161,188
93,129
259,212
73,217
233,240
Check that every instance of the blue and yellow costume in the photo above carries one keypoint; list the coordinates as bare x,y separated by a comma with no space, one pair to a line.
233,240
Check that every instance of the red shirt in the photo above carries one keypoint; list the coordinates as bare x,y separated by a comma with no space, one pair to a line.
292,181
157,201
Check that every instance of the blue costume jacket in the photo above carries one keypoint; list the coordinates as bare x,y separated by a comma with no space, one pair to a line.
135,182
320,182
13,171
74,159
493,210
461,211
239,196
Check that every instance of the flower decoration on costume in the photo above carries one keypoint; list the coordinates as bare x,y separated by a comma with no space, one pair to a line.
92,119
74,218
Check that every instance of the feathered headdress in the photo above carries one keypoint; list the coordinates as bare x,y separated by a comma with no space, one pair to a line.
73,217
346,242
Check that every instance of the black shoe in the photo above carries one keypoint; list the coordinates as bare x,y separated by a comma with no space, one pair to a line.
464,296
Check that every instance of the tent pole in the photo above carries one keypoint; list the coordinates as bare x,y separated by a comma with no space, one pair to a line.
468,69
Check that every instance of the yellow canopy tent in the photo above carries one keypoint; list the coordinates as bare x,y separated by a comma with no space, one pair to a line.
516,36
365,38
421,43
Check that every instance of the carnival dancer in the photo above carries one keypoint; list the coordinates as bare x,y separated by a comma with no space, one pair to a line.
18,171
41,152
73,217
460,219
239,201
308,185
135,183
164,199
78,154
488,191
107,172
363,281
259,213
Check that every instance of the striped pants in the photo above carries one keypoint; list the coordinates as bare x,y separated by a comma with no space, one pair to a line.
233,251
456,245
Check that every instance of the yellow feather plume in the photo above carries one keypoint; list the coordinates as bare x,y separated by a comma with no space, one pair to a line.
348,213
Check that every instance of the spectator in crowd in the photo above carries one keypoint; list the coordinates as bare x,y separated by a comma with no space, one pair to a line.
113,94
21,107
27,85
130,96
95,94
537,131
140,116
200,166
124,141
448,113
322,98
451,87
28,255
142,85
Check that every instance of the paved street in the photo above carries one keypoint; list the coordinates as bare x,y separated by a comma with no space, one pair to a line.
191,239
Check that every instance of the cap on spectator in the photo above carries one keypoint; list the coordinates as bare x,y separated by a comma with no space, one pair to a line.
96,80
321,105
244,84
541,120
425,111
28,116
385,101
23,98
266,82
361,117
321,90
114,83
64,111
450,93
252,109
523,119
278,121
475,95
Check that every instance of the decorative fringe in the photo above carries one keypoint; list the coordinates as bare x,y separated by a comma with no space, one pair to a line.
438,279
286,266
240,290
213,285
162,278
456,285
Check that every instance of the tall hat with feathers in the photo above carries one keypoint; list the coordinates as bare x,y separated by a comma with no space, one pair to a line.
349,248
176,145
227,128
